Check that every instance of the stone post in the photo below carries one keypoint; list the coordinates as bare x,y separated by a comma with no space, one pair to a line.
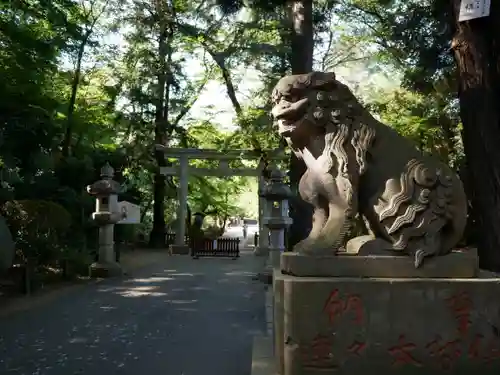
106,216
276,219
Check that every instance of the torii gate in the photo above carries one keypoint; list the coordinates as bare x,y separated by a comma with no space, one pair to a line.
183,170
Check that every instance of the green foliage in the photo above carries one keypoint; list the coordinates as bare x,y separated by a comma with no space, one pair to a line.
38,227
36,180
412,35
104,80
422,118
217,196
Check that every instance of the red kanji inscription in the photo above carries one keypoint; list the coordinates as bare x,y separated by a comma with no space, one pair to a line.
446,352
357,348
319,353
474,351
461,305
355,305
402,353
336,306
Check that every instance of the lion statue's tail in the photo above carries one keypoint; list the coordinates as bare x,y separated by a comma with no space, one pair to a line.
427,216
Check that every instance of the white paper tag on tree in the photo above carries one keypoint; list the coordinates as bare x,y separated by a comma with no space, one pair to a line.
470,9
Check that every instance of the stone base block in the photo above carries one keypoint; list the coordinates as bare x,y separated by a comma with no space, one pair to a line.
262,356
274,258
334,325
179,249
265,277
261,251
105,270
458,264
278,320
269,298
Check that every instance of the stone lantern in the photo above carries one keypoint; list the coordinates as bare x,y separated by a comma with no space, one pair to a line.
106,215
276,218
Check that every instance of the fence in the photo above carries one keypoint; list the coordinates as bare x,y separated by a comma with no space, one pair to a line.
221,247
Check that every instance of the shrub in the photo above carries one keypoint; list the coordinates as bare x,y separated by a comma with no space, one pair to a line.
213,232
38,227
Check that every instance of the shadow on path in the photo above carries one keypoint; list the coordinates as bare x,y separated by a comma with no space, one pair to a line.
185,317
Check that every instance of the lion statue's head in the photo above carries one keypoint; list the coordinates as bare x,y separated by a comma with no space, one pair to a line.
315,106
306,105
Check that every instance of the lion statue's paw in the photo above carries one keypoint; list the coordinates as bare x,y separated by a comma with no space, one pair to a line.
314,246
303,246
369,245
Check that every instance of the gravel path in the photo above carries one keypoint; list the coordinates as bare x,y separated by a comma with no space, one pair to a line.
178,317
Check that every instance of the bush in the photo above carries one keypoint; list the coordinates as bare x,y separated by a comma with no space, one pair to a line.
38,227
213,232
76,263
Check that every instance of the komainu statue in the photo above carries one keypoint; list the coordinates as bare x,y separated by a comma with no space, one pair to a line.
410,202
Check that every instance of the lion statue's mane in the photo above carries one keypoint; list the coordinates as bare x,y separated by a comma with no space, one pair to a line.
409,201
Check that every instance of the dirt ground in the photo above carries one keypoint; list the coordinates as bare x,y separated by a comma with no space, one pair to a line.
131,261
178,315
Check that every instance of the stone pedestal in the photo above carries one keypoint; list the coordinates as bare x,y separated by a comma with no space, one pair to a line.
458,264
437,320
179,249
105,269
272,263
106,266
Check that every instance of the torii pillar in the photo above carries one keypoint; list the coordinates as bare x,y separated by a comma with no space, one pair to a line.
180,246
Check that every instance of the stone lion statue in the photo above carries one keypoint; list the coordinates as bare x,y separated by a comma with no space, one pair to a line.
410,202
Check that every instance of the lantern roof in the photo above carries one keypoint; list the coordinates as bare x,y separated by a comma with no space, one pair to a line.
106,185
276,189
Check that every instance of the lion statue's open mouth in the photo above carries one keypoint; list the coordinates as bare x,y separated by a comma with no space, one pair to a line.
287,112
409,202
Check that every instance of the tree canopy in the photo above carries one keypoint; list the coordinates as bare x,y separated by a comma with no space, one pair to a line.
89,81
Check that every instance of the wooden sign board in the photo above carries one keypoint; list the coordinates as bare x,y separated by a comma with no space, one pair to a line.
131,211
471,9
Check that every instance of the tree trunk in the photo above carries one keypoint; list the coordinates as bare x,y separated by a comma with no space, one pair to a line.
302,36
477,54
301,62
157,236
68,134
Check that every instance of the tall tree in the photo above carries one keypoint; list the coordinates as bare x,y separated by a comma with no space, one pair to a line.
298,37
91,12
477,54
301,61
164,11
158,91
